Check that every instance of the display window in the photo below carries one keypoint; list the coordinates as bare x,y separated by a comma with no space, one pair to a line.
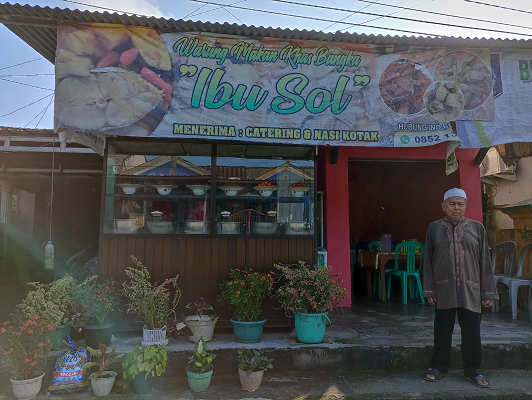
167,188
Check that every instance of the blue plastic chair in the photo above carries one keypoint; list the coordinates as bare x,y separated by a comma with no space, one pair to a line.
412,273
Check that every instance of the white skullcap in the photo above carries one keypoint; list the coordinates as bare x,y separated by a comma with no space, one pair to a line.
456,192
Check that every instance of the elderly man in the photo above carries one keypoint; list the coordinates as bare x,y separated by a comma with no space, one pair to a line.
457,280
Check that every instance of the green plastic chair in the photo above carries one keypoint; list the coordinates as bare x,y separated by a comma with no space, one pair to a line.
412,273
376,246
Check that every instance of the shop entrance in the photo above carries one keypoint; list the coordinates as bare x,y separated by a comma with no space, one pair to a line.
397,198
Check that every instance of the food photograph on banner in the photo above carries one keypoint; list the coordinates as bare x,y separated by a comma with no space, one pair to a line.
132,81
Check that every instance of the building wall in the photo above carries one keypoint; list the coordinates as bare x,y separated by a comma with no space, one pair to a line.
337,193
507,192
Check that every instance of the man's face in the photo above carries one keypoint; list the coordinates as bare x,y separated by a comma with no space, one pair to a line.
454,207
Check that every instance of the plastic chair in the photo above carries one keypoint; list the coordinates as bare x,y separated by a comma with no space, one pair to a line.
508,248
376,246
411,270
513,283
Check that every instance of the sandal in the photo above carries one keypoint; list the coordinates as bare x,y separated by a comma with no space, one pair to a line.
476,380
433,371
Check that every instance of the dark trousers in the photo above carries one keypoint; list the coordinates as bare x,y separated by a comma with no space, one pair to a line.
469,321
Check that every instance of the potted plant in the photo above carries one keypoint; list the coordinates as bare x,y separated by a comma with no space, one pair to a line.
199,367
251,367
99,301
102,381
55,303
200,325
243,293
142,364
152,303
26,346
309,292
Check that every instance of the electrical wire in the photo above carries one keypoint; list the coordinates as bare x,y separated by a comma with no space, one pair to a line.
234,16
495,5
447,15
375,19
27,105
26,84
107,9
26,62
46,109
37,116
321,19
390,16
23,76
213,9
350,15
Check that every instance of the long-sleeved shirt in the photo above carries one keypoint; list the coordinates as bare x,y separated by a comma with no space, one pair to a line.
457,270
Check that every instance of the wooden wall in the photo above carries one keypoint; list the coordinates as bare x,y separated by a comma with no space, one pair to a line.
203,263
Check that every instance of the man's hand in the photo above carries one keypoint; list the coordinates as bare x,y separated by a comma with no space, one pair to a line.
432,301
487,303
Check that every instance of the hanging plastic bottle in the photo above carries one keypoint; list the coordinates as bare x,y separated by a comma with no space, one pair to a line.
49,256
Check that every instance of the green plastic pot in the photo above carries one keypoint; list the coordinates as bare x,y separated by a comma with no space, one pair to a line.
248,332
199,382
310,328
58,334
98,334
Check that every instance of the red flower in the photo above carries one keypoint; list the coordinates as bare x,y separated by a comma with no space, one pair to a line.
41,344
27,360
230,283
30,331
238,292
6,323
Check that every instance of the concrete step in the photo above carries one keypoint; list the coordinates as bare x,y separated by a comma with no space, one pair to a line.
507,384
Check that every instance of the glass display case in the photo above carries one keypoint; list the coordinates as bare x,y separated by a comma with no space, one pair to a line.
161,188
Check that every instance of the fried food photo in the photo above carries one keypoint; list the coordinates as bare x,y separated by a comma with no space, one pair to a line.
402,85
470,73
444,101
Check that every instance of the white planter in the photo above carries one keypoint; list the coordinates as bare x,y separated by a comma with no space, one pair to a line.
200,326
103,386
154,336
27,389
251,382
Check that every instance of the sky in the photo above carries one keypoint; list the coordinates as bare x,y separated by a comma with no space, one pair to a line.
40,114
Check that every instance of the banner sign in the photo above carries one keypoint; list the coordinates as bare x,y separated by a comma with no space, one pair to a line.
513,96
133,81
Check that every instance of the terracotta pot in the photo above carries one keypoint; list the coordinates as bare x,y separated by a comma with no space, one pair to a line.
27,389
251,382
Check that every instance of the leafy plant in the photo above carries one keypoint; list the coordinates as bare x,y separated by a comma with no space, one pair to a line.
251,360
244,292
99,300
147,360
52,302
309,289
201,360
25,344
152,303
199,306
104,360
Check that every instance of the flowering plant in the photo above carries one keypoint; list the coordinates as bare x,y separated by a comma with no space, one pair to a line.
152,303
98,300
309,289
25,345
53,302
244,292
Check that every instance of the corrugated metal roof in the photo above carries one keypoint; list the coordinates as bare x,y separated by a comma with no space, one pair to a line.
37,26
